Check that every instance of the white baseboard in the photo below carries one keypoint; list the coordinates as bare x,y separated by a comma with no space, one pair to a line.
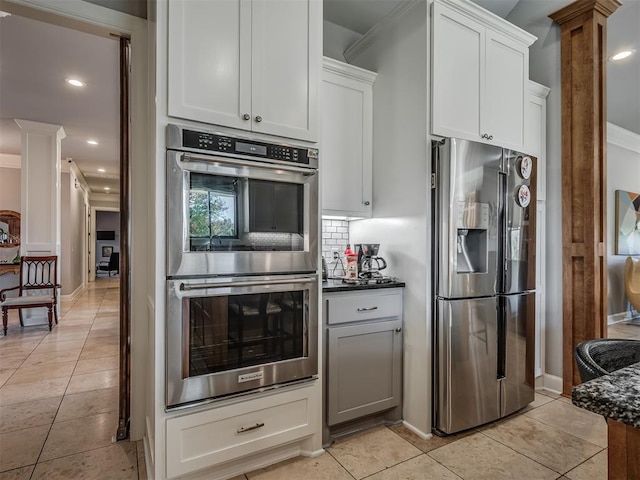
618,317
417,431
552,383
73,295
311,454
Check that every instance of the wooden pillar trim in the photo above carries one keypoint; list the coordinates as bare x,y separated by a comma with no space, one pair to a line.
583,37
604,7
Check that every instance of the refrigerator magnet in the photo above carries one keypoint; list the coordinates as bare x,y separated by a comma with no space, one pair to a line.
525,167
523,196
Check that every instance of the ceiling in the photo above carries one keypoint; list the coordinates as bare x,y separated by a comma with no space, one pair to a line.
36,57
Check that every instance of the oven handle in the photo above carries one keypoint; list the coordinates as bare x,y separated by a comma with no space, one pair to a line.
188,157
248,283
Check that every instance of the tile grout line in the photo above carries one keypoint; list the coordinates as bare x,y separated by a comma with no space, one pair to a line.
65,391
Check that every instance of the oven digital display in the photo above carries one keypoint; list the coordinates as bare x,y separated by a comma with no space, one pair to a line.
251,148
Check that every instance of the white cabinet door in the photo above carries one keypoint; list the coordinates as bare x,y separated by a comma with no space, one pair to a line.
503,105
480,69
286,67
248,64
210,61
346,154
458,47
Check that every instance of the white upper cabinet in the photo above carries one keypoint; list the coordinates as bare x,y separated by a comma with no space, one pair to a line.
347,136
247,64
535,140
480,70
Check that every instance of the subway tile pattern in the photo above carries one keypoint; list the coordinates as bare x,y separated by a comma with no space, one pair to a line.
335,237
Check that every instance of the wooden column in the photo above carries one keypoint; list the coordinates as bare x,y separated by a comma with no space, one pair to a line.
584,277
624,451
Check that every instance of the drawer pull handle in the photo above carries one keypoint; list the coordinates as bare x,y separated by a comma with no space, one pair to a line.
253,427
367,309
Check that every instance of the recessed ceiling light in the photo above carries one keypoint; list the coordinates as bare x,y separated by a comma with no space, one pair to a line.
92,142
621,55
107,188
75,82
101,170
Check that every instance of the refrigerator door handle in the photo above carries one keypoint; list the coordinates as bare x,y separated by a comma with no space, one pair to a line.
502,338
502,229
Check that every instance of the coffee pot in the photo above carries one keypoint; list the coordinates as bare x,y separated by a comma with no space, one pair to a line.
369,263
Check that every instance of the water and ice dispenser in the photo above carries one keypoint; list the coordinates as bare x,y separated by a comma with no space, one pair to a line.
472,225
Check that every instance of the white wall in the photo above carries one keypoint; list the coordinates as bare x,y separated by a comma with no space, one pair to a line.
544,68
10,189
400,203
72,232
336,39
623,173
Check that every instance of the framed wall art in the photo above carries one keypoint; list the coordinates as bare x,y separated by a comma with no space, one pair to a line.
627,233
107,251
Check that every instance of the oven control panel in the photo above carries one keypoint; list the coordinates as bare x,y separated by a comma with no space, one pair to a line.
237,146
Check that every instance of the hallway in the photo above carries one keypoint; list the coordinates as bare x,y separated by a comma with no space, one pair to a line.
59,395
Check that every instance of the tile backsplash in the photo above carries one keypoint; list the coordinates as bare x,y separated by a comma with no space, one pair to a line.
335,237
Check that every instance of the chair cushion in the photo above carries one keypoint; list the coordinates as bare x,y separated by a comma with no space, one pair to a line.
27,300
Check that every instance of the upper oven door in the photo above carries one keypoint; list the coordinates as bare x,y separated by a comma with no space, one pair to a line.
228,216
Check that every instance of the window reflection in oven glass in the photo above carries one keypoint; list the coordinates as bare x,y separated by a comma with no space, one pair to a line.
239,331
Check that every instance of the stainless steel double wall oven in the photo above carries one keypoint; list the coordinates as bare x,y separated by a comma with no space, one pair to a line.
242,260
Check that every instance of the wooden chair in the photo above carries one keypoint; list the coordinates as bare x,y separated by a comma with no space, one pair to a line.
36,273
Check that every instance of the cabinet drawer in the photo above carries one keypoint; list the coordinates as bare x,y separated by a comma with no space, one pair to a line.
363,305
208,438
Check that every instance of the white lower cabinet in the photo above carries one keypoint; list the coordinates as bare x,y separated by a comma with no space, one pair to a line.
363,358
212,437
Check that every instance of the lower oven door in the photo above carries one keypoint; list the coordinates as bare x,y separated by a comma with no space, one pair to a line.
232,335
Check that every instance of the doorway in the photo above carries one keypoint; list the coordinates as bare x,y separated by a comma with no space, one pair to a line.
91,19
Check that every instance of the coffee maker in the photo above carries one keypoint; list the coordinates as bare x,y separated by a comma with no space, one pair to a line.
369,263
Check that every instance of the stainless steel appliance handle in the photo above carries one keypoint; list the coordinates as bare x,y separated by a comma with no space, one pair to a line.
366,309
188,157
248,283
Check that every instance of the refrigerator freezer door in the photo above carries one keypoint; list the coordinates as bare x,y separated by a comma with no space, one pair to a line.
517,389
465,217
468,388
518,228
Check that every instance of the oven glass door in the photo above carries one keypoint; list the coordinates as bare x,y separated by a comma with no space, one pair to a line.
226,336
231,216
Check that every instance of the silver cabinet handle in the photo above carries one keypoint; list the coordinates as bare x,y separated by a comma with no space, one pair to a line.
246,116
398,330
248,429
487,136
258,118
367,203
367,309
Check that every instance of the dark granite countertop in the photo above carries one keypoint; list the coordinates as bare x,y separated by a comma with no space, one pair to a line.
616,395
333,285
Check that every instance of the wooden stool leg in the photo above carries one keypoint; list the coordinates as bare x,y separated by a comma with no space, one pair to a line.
50,315
5,318
20,317
55,313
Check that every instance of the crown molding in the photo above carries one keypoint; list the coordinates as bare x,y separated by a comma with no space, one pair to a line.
378,29
349,71
580,7
623,138
8,160
538,89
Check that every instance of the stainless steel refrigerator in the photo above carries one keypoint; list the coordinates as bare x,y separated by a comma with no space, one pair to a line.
484,282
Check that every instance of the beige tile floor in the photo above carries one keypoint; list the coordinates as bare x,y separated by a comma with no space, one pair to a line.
59,395
59,400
